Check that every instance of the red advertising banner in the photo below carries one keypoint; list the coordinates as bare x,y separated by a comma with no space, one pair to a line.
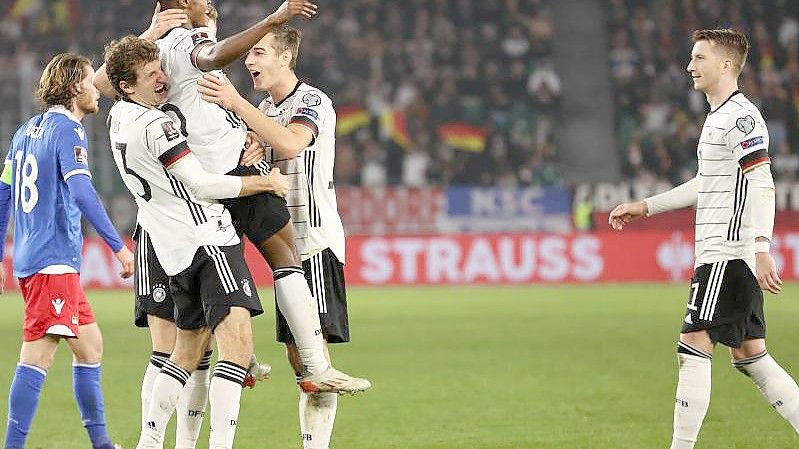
628,256
390,210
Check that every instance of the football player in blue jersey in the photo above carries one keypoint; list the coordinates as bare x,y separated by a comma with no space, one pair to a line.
46,182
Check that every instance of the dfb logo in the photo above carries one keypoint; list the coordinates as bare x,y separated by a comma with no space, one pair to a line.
675,256
199,413
681,402
307,437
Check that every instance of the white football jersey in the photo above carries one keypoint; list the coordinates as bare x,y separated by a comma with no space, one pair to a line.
145,142
215,134
734,140
312,200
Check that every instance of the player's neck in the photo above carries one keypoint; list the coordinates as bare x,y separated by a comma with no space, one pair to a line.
720,93
281,90
135,99
76,111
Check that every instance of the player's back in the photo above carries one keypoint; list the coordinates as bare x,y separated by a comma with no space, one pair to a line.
145,142
47,221
215,134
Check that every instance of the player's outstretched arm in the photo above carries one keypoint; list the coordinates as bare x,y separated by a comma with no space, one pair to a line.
161,22
214,186
684,195
288,141
216,56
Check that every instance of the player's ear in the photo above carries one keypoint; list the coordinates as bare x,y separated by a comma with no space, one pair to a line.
125,87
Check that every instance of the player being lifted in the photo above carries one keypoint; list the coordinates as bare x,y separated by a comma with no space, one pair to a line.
192,236
733,192
298,123
46,180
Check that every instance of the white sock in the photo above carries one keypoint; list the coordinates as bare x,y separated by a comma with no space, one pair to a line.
775,383
317,414
167,388
225,395
191,407
300,310
693,395
154,365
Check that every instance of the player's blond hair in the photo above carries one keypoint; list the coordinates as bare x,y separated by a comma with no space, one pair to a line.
124,56
58,85
284,38
734,41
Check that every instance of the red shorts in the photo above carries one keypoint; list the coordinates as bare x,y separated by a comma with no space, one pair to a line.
55,304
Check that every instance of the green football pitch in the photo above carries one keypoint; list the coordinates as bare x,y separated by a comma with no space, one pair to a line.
480,367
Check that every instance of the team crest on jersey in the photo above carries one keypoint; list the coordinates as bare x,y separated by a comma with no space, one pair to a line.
199,37
81,155
311,100
745,124
58,305
245,287
159,293
169,130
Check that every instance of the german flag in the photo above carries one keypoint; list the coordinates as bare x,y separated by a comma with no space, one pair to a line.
351,118
463,136
395,127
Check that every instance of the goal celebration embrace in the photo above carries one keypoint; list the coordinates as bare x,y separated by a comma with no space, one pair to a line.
323,224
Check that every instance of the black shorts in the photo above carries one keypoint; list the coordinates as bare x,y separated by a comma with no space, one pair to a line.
216,280
725,300
325,276
150,283
258,216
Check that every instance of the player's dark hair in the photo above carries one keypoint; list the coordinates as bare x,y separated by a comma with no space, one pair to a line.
124,56
734,41
286,37
60,79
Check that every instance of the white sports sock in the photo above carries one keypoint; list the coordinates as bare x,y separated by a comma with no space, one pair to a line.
693,396
300,310
317,414
775,383
225,395
154,365
167,388
191,407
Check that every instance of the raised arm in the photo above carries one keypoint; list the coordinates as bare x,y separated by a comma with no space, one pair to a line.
214,56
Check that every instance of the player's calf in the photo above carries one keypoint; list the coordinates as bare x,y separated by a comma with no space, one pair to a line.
777,386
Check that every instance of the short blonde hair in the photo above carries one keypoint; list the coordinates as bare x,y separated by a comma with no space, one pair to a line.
284,38
733,41
58,84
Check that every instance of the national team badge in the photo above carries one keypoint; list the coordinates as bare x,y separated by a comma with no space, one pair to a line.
169,130
159,293
81,155
311,100
745,124
245,287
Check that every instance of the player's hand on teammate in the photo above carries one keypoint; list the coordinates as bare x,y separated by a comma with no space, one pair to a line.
254,152
125,257
164,21
766,272
290,8
278,182
219,91
625,213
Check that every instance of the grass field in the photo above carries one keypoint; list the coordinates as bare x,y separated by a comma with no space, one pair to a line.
511,367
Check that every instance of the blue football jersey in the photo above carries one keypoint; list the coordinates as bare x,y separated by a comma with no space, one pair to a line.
45,152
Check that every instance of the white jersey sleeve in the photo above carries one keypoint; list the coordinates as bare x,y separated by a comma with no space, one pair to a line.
748,138
309,112
165,142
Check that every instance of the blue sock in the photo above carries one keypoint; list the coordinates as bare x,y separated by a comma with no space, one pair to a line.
89,396
23,399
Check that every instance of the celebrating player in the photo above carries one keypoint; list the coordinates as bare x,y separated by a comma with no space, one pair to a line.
193,237
734,197
218,137
298,122
47,170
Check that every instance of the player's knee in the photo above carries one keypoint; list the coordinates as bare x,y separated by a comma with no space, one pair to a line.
42,360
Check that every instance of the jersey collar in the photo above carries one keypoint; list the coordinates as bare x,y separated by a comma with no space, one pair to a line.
62,110
725,101
289,95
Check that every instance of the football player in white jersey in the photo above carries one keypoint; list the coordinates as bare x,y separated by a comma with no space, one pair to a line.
734,197
297,122
193,235
218,136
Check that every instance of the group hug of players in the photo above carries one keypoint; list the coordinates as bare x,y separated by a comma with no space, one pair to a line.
205,167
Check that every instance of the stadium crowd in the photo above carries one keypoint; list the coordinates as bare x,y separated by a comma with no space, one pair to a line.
658,115
426,92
